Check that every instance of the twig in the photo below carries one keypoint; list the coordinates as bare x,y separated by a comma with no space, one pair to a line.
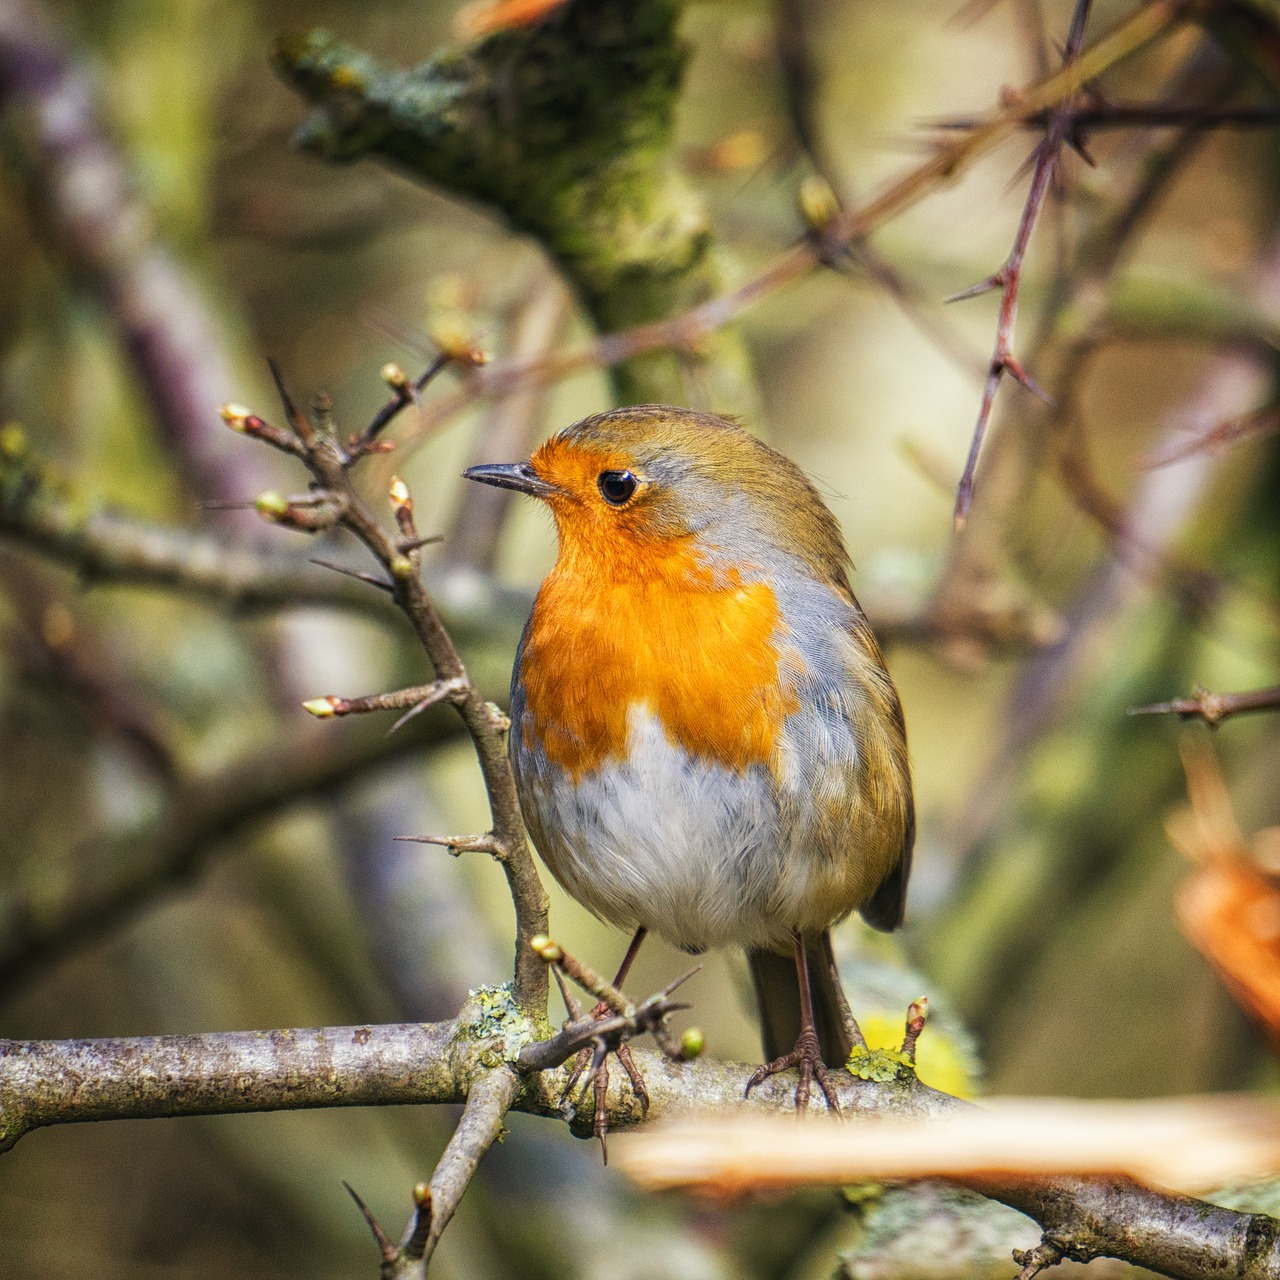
1008,278
1034,1261
917,1016
586,977
1213,708
1140,115
417,699
1223,435
488,1100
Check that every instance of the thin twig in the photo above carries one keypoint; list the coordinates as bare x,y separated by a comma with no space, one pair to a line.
1214,708
1008,278
1232,431
1139,115
418,698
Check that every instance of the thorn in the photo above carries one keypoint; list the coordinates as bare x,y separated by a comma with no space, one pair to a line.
679,982
416,709
1015,370
385,1244
572,1006
296,418
372,579
414,544
994,281
488,843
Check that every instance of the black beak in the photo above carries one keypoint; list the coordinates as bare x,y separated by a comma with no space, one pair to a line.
519,476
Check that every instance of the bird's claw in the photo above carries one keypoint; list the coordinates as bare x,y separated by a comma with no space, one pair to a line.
807,1057
593,1061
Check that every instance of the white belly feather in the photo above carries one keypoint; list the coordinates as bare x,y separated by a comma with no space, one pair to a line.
691,850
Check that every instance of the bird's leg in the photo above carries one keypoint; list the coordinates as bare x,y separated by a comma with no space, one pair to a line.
807,1054
598,1076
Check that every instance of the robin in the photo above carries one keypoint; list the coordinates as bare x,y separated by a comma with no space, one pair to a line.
704,737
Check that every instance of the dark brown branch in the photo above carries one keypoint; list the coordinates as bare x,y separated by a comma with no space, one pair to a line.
1214,708
1009,278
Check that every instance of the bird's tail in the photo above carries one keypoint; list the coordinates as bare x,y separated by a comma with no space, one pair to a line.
778,998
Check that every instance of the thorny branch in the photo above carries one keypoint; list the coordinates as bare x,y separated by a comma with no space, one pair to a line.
449,1062
334,501
1008,278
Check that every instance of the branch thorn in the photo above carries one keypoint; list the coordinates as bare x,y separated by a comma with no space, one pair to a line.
385,1243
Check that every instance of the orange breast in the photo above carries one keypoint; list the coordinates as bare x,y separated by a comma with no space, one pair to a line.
698,649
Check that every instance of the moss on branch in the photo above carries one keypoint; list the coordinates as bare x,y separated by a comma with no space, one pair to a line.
565,129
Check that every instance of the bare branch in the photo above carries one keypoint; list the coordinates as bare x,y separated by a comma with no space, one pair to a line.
87,207
686,329
1222,435
488,1101
1009,278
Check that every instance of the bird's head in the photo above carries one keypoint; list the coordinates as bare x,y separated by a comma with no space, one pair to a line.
657,480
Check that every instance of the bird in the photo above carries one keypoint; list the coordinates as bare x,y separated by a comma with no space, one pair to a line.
705,740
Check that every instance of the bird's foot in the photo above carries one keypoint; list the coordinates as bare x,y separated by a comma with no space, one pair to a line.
807,1057
594,1063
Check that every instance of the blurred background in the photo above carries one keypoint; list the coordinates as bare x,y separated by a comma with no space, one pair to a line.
162,237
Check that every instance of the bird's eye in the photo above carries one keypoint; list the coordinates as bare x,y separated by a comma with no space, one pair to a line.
617,487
